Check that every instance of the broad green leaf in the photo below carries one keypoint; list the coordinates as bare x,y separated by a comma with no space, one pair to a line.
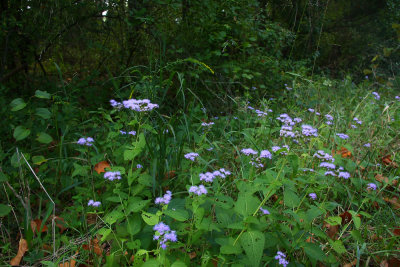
357,222
253,245
80,170
134,224
136,204
104,232
314,251
338,246
151,263
21,133
179,215
4,210
290,198
37,160
149,218
42,94
113,216
43,113
313,213
145,179
334,220
246,204
44,138
178,263
17,104
138,146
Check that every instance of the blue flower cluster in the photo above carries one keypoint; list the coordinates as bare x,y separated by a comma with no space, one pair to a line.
192,156
85,141
164,234
210,176
112,175
165,199
139,105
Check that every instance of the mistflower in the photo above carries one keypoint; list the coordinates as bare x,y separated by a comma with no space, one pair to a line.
376,95
297,120
112,175
115,104
198,190
210,149
122,132
371,186
205,124
264,211
307,130
367,145
357,120
94,203
85,141
165,199
191,156
251,108
308,170
313,196
164,234
281,257
329,117
139,166
397,97
139,105
275,148
342,135
288,88
317,113
132,132
261,113
286,131
210,176
256,164
329,123
353,126
265,154
322,155
248,151
327,165
344,175
311,110
330,173
286,119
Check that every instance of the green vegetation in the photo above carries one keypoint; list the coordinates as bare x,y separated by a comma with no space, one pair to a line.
200,133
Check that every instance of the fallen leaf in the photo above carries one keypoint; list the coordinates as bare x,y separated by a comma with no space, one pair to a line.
344,152
22,248
70,263
331,230
170,175
393,262
101,166
396,231
60,223
346,217
36,224
350,264
394,201
388,161
93,246
192,254
384,264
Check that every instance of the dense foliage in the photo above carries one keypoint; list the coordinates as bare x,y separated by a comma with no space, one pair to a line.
199,133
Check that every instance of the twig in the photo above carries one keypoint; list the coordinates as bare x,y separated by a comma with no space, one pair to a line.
54,206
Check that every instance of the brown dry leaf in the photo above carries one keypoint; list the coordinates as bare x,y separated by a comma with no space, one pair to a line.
22,248
170,175
100,167
192,254
384,264
344,152
93,246
396,231
310,239
394,262
91,218
381,178
70,263
350,264
346,217
36,224
388,161
394,201
60,223
331,230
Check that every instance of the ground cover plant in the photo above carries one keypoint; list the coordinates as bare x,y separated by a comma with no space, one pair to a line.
307,177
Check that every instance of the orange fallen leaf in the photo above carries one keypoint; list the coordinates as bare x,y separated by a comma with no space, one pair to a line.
37,224
331,230
350,264
344,152
394,201
93,246
388,161
101,166
22,248
70,263
192,254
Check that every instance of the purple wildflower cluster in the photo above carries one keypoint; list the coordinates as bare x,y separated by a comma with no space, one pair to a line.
287,131
397,97
210,176
367,145
376,95
342,135
131,132
256,161
371,186
164,234
313,111
248,151
94,203
288,88
357,120
165,199
198,190
139,105
264,211
286,119
139,166
205,124
112,175
329,119
192,156
322,155
281,257
332,172
276,148
85,141
307,130
313,196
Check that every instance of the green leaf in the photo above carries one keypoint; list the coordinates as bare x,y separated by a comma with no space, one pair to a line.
179,215
246,204
290,198
253,245
334,220
4,210
178,263
42,94
21,133
43,113
314,251
151,263
135,224
3,177
136,204
149,218
44,138
80,170
338,246
138,146
357,222
113,216
17,104
38,160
